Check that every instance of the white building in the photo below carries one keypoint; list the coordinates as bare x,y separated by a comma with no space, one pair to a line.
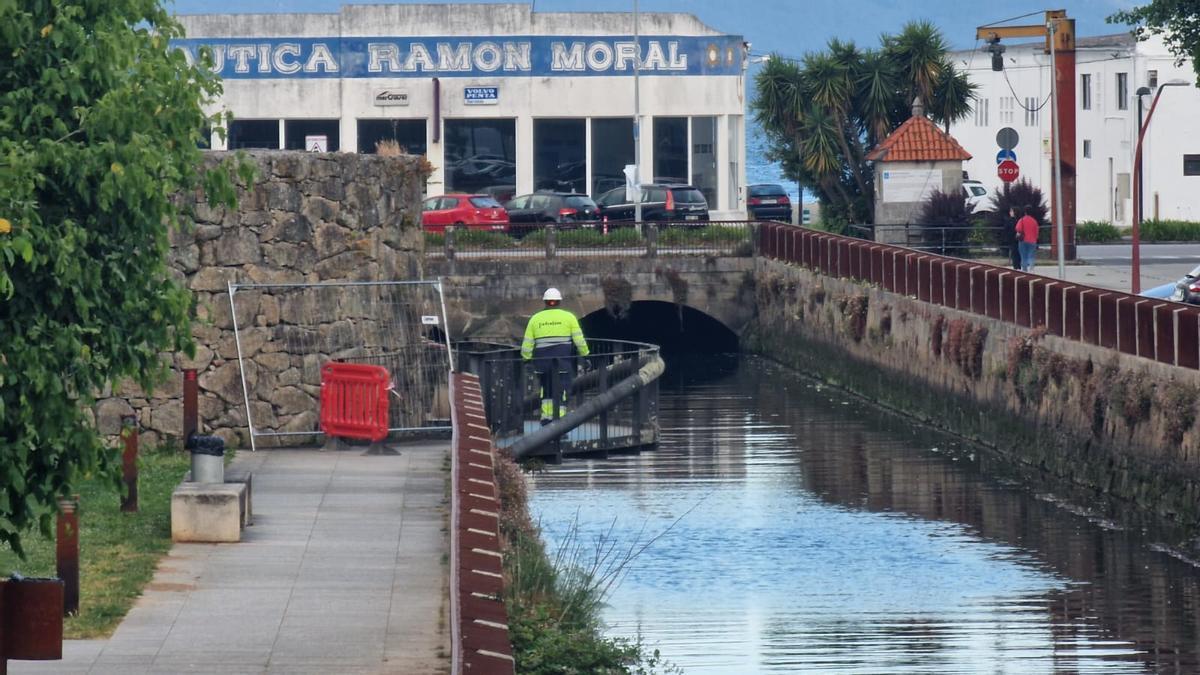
497,96
1109,71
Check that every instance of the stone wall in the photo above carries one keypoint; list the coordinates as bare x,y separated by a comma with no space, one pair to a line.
305,218
1109,424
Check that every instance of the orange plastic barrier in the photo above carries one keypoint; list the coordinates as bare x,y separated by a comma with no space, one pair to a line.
354,401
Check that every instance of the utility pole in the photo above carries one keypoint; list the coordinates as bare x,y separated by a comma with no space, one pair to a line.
637,120
1058,186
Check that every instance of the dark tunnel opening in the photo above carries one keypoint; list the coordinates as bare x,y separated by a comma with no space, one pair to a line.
680,330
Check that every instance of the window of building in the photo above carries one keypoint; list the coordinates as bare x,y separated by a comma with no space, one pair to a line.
1008,106
704,157
1085,92
1031,111
408,134
560,155
480,154
1191,165
1087,149
1122,91
1152,79
204,142
981,112
296,131
670,150
612,150
248,134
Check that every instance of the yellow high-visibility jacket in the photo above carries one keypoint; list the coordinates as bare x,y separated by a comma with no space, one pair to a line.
552,326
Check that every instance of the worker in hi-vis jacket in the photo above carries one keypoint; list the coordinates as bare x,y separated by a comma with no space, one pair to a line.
552,338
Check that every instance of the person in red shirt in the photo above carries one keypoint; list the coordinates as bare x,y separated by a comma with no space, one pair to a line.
1027,236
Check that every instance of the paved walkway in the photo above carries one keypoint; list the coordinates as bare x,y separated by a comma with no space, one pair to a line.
343,571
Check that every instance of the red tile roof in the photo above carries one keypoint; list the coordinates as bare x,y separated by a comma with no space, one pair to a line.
918,140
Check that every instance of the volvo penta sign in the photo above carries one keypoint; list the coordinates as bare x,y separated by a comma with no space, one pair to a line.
481,95
534,56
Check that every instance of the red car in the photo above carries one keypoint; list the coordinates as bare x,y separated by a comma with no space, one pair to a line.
475,212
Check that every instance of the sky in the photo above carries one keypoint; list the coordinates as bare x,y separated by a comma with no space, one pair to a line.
787,27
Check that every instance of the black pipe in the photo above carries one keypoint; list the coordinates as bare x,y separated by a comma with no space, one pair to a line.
592,407
592,377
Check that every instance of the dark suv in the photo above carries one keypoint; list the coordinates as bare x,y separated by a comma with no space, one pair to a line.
768,202
660,202
525,212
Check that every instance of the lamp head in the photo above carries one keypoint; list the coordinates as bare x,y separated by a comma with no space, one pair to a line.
1143,91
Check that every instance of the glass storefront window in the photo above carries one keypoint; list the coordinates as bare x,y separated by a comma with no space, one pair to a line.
249,134
612,149
480,154
560,155
295,131
704,157
670,150
409,134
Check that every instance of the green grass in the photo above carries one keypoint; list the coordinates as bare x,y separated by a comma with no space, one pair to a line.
710,234
118,551
1096,232
1170,230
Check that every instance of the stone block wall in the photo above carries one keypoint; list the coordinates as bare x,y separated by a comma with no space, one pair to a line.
305,218
1108,424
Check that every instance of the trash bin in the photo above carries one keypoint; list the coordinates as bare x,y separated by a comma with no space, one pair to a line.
208,458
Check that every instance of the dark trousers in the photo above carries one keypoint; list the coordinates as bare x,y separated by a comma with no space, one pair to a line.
555,368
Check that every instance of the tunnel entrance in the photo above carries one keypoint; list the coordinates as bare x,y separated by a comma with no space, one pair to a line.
678,329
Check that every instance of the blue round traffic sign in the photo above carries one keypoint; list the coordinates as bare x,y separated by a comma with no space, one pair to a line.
1006,155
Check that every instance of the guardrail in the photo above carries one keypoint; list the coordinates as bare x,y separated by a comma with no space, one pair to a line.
512,397
651,239
1166,331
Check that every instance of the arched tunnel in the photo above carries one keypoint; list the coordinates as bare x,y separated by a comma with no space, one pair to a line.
679,329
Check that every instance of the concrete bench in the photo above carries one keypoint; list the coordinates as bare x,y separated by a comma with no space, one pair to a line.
208,512
235,474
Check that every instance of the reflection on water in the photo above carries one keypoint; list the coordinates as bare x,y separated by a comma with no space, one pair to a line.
815,534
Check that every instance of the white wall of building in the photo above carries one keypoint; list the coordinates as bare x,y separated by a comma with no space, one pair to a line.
522,97
1108,129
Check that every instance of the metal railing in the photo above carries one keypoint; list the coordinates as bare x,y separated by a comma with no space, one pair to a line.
724,238
958,241
512,395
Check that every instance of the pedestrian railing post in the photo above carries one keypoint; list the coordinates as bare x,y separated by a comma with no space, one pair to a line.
448,242
601,363
129,461
651,240
551,240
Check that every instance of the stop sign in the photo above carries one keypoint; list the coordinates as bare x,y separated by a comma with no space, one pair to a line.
1008,171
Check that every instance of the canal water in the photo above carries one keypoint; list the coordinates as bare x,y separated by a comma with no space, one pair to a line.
788,527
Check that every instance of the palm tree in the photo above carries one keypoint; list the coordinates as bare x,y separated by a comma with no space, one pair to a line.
920,52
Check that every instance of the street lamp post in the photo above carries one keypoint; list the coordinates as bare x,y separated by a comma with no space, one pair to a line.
1135,253
637,121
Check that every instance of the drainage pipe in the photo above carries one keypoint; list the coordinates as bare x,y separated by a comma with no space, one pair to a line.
648,373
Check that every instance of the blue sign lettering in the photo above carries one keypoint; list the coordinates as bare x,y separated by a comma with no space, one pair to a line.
532,56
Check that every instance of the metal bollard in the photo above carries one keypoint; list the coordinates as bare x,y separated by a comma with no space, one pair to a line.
551,240
208,459
191,414
449,242
651,240
67,553
129,464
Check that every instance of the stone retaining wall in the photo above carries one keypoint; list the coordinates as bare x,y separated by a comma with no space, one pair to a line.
1110,423
306,218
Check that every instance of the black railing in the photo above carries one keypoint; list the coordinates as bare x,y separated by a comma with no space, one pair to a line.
725,238
958,241
512,395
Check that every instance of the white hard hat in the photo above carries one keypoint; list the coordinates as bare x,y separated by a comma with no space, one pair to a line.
552,294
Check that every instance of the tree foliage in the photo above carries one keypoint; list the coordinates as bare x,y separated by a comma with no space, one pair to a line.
99,124
1177,21
948,219
824,114
1018,195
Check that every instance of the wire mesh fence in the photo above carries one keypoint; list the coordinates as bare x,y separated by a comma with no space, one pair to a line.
512,394
285,333
725,238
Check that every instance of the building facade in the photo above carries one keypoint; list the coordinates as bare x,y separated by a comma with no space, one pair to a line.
499,98
1109,71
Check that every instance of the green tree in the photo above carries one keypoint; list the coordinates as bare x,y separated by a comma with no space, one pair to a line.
1177,21
824,113
99,125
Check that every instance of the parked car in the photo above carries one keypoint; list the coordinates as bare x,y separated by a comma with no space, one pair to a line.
526,212
475,212
767,201
1187,289
661,203
978,200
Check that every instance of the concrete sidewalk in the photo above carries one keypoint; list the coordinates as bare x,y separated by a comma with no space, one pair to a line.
343,571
